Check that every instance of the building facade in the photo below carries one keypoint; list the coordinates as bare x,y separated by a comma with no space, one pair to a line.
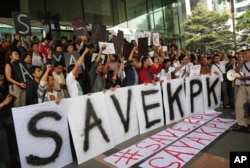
164,16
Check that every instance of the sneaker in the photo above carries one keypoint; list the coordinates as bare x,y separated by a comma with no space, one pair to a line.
241,128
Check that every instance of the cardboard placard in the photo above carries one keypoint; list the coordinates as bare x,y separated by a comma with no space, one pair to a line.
79,27
22,72
99,33
117,45
71,58
57,56
143,46
21,23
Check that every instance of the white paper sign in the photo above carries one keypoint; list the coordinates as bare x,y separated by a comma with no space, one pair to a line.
122,112
156,39
42,131
110,49
90,126
195,70
148,35
149,106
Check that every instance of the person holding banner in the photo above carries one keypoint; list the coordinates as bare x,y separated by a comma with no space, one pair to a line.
156,67
205,68
167,72
219,68
97,82
182,70
32,86
145,74
46,91
74,87
114,78
60,83
130,68
16,86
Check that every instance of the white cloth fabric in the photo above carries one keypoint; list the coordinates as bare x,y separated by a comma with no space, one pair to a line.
73,86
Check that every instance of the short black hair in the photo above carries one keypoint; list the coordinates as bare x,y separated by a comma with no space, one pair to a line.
33,69
144,59
56,64
64,37
70,67
216,55
6,35
181,57
166,60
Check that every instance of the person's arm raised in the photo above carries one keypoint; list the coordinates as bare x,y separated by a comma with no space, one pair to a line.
79,62
46,73
119,74
131,55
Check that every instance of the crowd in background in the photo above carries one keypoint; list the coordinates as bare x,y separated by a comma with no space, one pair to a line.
54,81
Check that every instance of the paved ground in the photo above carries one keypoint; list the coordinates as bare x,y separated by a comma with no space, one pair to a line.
215,155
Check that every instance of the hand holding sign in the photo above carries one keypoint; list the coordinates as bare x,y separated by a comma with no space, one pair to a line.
108,49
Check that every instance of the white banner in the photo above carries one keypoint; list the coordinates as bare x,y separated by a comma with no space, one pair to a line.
122,112
174,100
149,106
42,135
90,126
103,120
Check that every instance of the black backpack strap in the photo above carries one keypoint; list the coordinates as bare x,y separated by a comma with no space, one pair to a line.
246,67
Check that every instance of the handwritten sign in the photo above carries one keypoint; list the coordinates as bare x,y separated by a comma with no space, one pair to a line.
21,23
195,70
22,72
79,27
99,33
156,39
110,49
42,135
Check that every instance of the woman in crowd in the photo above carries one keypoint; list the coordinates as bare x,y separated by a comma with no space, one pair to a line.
17,88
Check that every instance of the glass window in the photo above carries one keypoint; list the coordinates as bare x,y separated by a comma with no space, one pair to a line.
98,11
238,1
135,8
140,23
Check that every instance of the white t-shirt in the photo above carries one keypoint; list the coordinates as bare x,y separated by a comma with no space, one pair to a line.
166,76
219,69
183,72
73,86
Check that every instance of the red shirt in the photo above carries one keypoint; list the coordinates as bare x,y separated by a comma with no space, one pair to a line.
43,49
145,75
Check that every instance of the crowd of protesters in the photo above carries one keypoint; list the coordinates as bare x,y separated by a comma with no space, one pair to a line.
54,81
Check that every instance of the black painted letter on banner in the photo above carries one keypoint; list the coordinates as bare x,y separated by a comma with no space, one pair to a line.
36,160
118,108
194,94
146,108
210,90
88,126
174,97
